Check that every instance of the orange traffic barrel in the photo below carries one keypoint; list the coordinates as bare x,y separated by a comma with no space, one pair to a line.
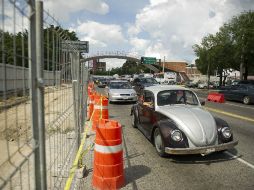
100,110
90,106
108,156
90,88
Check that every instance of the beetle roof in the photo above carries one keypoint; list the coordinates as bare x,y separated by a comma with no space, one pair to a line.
157,88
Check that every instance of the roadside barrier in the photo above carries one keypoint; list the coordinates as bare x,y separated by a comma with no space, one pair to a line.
216,97
108,156
100,110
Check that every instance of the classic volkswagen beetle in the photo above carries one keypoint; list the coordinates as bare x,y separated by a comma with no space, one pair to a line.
173,119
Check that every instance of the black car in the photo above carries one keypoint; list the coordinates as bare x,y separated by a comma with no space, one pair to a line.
250,82
140,83
102,82
241,92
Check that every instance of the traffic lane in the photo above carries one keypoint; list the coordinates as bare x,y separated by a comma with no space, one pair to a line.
235,108
144,169
243,132
203,95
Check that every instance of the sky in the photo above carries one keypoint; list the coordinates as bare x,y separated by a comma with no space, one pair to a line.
154,28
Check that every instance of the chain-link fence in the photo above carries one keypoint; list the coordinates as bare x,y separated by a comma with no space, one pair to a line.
42,98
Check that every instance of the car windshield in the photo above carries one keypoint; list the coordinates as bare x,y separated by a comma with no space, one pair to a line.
148,80
120,85
169,97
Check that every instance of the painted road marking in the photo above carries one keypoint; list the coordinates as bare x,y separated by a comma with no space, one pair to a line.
239,106
230,114
240,159
232,104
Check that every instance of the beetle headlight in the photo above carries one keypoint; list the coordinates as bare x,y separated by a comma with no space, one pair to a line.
226,132
176,135
134,94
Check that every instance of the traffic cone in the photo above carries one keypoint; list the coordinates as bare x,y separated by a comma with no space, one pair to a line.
108,156
100,110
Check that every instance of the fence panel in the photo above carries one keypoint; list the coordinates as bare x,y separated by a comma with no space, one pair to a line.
16,140
61,93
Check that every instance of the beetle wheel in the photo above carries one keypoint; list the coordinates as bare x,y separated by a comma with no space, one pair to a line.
158,143
134,120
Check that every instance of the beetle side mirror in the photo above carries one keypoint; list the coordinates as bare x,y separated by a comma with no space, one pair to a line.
202,103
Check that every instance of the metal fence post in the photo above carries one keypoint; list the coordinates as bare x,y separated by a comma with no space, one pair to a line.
76,96
77,60
33,93
40,91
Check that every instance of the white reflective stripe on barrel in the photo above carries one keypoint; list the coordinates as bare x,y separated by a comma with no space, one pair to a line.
108,149
91,102
100,107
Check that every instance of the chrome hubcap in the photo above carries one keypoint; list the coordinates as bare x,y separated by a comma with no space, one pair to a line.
157,140
246,100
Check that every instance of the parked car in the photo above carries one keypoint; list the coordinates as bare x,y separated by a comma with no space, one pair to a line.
203,85
166,77
173,119
120,91
191,84
140,83
241,92
250,82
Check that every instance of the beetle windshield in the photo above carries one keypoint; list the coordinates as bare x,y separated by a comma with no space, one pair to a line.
169,97
120,85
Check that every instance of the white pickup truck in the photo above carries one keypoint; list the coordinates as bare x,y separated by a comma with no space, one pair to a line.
166,77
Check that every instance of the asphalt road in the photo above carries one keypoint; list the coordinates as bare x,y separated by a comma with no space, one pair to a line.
233,169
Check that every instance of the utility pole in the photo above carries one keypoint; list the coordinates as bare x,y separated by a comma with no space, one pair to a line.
208,73
163,65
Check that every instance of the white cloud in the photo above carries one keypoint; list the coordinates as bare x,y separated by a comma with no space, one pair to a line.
158,50
157,2
139,44
133,30
62,9
174,26
113,63
100,35
15,24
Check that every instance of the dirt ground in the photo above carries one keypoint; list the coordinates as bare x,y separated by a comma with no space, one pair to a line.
15,135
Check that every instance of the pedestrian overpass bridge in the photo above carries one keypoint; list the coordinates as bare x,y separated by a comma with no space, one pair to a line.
119,55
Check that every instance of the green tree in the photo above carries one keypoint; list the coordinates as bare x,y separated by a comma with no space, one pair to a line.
228,48
242,31
15,46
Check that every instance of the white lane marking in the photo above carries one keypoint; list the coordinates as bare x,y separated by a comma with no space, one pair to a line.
231,104
240,106
240,159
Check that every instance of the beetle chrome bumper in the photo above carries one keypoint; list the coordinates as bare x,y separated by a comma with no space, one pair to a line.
202,150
